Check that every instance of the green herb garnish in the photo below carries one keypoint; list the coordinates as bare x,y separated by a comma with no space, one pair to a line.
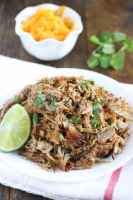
35,119
91,82
119,37
118,60
109,121
75,120
111,50
39,100
95,122
85,85
108,49
106,37
17,99
128,45
96,108
53,104
93,61
94,39
104,61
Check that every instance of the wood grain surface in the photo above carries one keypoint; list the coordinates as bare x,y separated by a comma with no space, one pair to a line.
97,16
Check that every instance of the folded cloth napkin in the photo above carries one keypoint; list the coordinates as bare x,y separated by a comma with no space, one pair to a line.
117,186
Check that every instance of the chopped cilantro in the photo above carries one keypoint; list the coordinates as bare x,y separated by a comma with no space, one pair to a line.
85,85
75,120
109,121
96,108
95,122
39,100
53,103
17,99
34,119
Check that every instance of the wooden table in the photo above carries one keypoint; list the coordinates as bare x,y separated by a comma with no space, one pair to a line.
97,15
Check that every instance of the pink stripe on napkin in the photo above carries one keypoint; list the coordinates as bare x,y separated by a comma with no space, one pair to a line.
112,184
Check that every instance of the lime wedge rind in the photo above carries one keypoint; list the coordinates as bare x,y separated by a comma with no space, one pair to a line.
14,128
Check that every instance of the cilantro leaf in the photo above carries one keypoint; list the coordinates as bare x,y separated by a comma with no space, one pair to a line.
92,61
128,43
34,119
39,100
110,51
106,37
96,107
118,60
17,99
108,48
95,40
90,82
95,122
118,36
53,104
104,61
109,121
75,120
85,85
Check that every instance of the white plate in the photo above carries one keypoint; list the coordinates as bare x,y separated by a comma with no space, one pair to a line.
14,75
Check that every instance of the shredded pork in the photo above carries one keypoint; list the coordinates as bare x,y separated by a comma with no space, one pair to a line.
75,123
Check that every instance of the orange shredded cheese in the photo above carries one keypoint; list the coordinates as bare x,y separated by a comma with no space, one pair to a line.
48,23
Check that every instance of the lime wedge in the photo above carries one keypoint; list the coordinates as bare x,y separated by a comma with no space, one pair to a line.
14,128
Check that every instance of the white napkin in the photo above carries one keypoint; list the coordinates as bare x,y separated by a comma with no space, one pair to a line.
117,186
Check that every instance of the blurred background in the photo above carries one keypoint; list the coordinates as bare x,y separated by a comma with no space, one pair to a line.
97,16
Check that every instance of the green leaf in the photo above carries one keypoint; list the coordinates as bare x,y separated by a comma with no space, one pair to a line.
96,107
91,82
104,61
108,49
106,37
128,43
34,119
98,51
92,61
94,39
119,37
17,99
53,104
39,100
108,53
95,122
117,60
75,120
85,85
109,121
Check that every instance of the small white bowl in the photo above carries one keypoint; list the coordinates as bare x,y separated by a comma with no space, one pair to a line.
48,49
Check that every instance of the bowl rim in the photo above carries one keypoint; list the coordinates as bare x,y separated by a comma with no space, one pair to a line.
21,33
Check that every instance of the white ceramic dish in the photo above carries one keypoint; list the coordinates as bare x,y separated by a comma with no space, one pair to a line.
48,49
24,73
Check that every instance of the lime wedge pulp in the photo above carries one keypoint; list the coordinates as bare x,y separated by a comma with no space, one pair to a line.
14,128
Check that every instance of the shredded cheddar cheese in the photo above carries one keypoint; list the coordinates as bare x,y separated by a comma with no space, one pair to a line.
48,23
